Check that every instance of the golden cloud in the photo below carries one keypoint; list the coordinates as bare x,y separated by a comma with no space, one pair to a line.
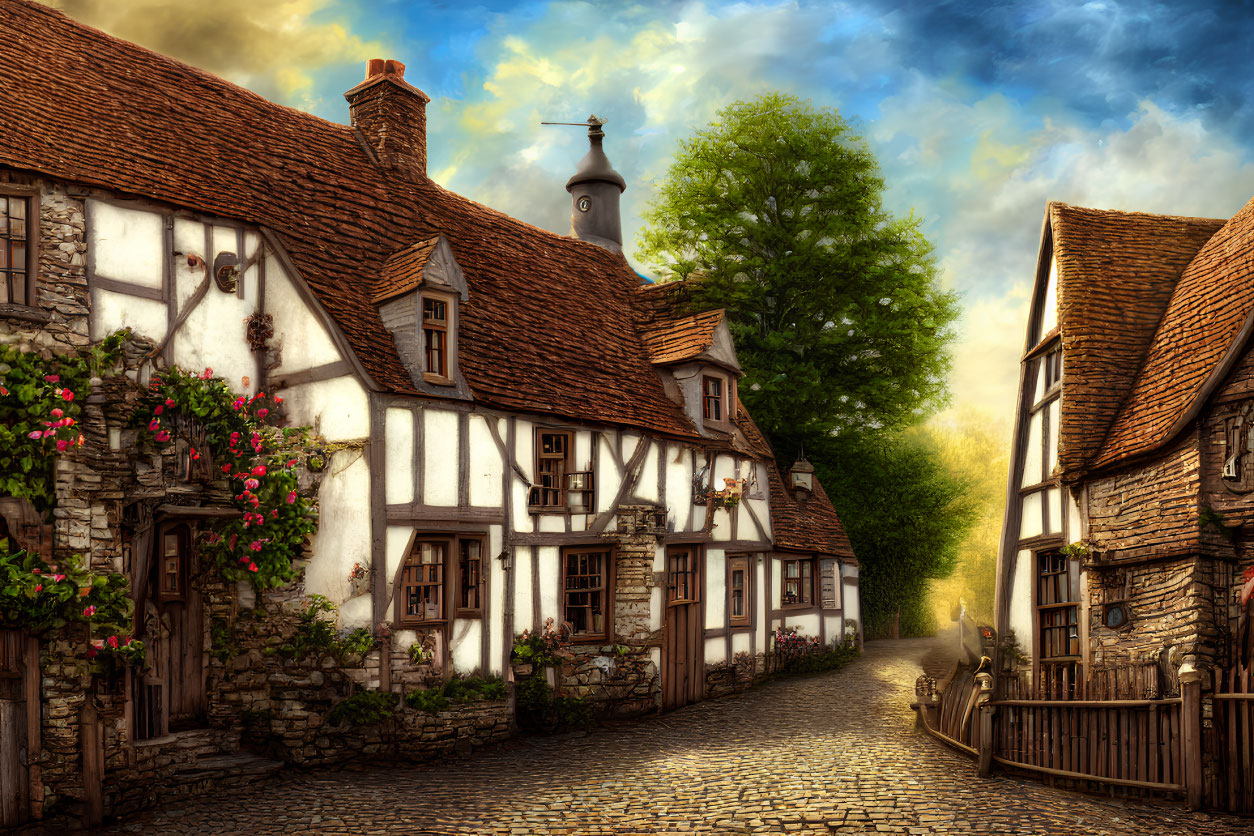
270,47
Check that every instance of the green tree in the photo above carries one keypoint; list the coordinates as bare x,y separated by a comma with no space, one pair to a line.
833,302
907,516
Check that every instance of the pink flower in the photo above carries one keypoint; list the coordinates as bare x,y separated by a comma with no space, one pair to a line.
36,434
35,571
163,436
61,445
206,374
67,395
259,470
89,611
169,401
59,578
274,513
113,641
158,409
231,544
252,567
56,413
254,500
52,378
291,497
255,545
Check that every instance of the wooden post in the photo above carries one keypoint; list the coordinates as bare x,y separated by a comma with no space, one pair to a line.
1191,734
985,682
897,624
91,740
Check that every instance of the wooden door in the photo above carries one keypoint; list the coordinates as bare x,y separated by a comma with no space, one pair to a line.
14,779
683,663
171,695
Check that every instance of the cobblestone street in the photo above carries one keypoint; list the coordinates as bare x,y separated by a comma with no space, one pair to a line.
835,753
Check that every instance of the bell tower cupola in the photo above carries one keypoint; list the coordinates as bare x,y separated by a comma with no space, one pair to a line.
595,189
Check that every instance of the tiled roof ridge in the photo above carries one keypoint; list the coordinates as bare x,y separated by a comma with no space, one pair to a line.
1180,375
1071,207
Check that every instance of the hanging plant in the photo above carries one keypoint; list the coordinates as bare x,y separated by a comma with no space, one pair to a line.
39,596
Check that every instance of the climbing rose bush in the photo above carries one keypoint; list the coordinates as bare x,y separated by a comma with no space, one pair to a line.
258,459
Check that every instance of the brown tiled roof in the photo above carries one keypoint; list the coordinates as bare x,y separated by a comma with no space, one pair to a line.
85,107
1116,273
1202,324
402,272
809,526
683,338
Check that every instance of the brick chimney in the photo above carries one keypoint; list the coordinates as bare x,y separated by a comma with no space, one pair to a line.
392,116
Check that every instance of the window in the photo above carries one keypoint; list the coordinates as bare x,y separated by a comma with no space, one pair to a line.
172,564
551,453
798,583
738,589
470,578
1057,594
435,322
1053,368
15,236
422,583
682,575
712,399
585,592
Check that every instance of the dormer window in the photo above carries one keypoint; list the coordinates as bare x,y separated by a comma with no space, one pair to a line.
712,399
435,328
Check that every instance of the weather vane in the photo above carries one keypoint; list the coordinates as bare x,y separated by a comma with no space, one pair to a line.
593,125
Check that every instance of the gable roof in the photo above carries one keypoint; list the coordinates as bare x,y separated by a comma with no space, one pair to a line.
85,107
402,272
1207,321
1116,275
682,338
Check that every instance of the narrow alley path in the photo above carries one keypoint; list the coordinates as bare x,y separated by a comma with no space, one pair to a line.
830,754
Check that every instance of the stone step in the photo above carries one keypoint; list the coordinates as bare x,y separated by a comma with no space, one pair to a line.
226,769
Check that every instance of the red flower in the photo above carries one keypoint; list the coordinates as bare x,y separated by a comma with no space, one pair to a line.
163,436
277,399
169,401
56,413
91,653
61,445
255,545
226,468
154,425
3,391
67,395
206,374
262,413
35,571
113,641
52,378
195,455
36,434
259,470
158,409
252,567
291,497
89,611
39,587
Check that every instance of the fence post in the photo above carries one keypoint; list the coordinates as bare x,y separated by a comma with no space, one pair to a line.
91,741
897,624
1191,733
986,722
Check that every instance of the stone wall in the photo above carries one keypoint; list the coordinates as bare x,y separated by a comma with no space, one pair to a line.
615,680
742,672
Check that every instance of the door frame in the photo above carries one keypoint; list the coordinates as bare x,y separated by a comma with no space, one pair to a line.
678,691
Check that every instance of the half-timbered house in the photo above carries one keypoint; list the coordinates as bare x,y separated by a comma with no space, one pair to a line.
513,431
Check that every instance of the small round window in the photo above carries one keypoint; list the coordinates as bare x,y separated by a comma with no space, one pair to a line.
584,203
1115,616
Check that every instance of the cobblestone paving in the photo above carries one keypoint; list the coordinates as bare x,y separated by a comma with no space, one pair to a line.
830,754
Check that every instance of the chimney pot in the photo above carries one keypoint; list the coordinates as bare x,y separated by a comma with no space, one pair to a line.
395,68
374,67
391,115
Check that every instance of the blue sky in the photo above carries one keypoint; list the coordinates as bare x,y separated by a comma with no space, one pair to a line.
978,112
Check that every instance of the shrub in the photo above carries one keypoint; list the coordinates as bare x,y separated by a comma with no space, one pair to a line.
432,701
539,711
365,708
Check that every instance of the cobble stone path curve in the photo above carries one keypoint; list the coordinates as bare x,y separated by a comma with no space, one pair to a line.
835,753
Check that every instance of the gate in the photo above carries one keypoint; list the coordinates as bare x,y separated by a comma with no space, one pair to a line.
1233,742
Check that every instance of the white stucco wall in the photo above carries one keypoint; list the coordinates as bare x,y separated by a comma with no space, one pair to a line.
679,487
715,651
496,604
302,340
548,560
715,588
337,409
465,644
113,311
646,485
399,468
741,643
1021,615
486,466
439,457
524,567
126,244
343,536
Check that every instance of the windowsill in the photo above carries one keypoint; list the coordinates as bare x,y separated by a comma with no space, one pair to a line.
556,510
436,623
469,614
25,313
589,640
436,379
805,606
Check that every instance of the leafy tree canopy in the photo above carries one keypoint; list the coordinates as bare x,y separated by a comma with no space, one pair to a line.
832,302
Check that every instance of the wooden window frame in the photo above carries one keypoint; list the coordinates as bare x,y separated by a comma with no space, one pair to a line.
477,610
689,577
182,533
555,492
26,289
606,588
740,563
447,327
1049,607
403,617
719,401
809,603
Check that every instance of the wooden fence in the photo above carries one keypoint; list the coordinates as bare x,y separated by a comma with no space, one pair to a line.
1233,741
1124,726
